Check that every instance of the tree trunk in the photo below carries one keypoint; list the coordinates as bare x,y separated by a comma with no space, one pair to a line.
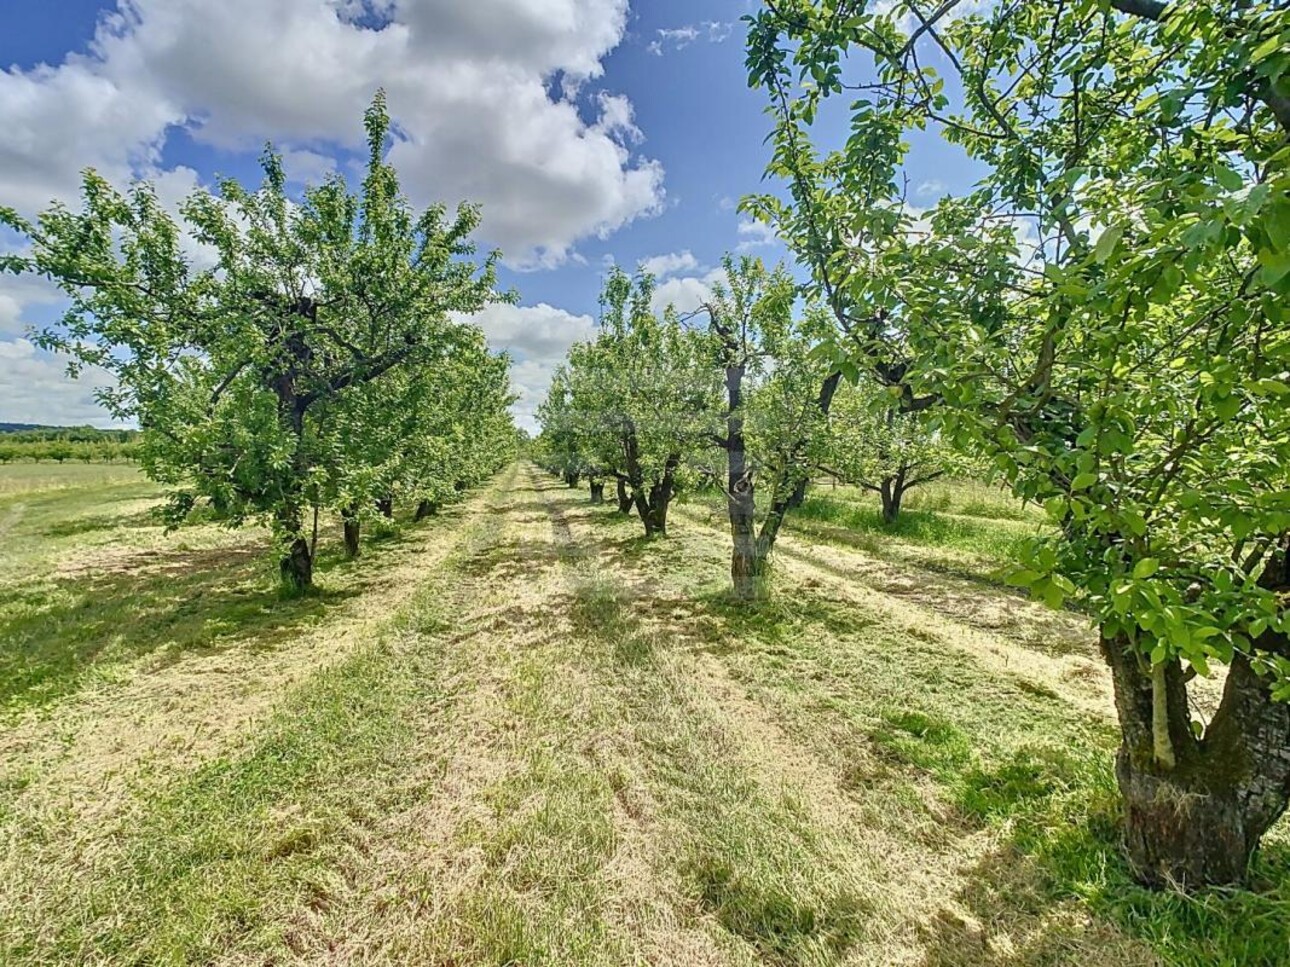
352,526
386,506
1197,822
298,567
598,492
624,497
747,561
425,508
892,492
652,505
747,554
571,478
798,496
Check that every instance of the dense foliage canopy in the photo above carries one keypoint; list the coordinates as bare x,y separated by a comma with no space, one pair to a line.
281,353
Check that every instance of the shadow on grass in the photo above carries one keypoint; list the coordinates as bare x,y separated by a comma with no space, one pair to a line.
1054,886
1057,889
967,598
101,522
59,632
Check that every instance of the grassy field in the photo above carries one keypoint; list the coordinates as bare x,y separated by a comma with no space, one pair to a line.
519,734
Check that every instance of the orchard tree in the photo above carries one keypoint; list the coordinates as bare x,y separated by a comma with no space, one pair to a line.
568,446
229,368
1104,314
638,396
777,393
871,443
422,435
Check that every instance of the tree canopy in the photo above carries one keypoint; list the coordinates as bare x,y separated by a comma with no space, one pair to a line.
1103,316
266,345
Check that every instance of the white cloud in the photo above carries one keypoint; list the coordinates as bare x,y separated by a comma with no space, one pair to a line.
35,388
933,186
306,167
686,294
755,234
467,85
678,38
541,331
661,266
18,293
538,337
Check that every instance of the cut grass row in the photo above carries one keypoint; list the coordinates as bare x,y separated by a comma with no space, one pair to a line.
569,747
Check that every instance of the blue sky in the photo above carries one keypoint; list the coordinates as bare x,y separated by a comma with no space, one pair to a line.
590,131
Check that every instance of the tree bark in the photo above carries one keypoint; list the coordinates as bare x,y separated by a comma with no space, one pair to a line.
425,508
352,527
747,556
653,504
385,505
598,492
892,490
1194,817
624,497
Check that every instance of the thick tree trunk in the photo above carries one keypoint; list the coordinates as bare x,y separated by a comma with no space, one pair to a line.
598,492
1197,822
571,479
352,527
652,505
747,554
385,505
425,508
624,497
798,497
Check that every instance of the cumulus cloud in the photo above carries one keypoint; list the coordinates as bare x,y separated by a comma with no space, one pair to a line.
489,99
537,337
755,234
467,85
687,293
661,266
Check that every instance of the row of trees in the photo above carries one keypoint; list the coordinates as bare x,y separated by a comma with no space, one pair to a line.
1103,317
314,359
737,395
60,451
65,434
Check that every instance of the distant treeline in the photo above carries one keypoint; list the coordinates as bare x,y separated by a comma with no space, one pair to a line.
63,443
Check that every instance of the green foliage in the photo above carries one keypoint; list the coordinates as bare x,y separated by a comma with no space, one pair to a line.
631,403
1103,314
870,442
282,371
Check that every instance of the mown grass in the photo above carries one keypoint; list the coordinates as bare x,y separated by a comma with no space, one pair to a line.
216,857
745,848
572,747
1004,755
91,585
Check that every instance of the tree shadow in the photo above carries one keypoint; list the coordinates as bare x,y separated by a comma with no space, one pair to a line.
976,602
61,631
92,523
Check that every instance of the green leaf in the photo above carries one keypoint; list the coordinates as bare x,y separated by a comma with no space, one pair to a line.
1107,242
1022,577
1083,481
1145,568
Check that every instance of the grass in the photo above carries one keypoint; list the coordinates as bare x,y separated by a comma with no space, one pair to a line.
520,735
